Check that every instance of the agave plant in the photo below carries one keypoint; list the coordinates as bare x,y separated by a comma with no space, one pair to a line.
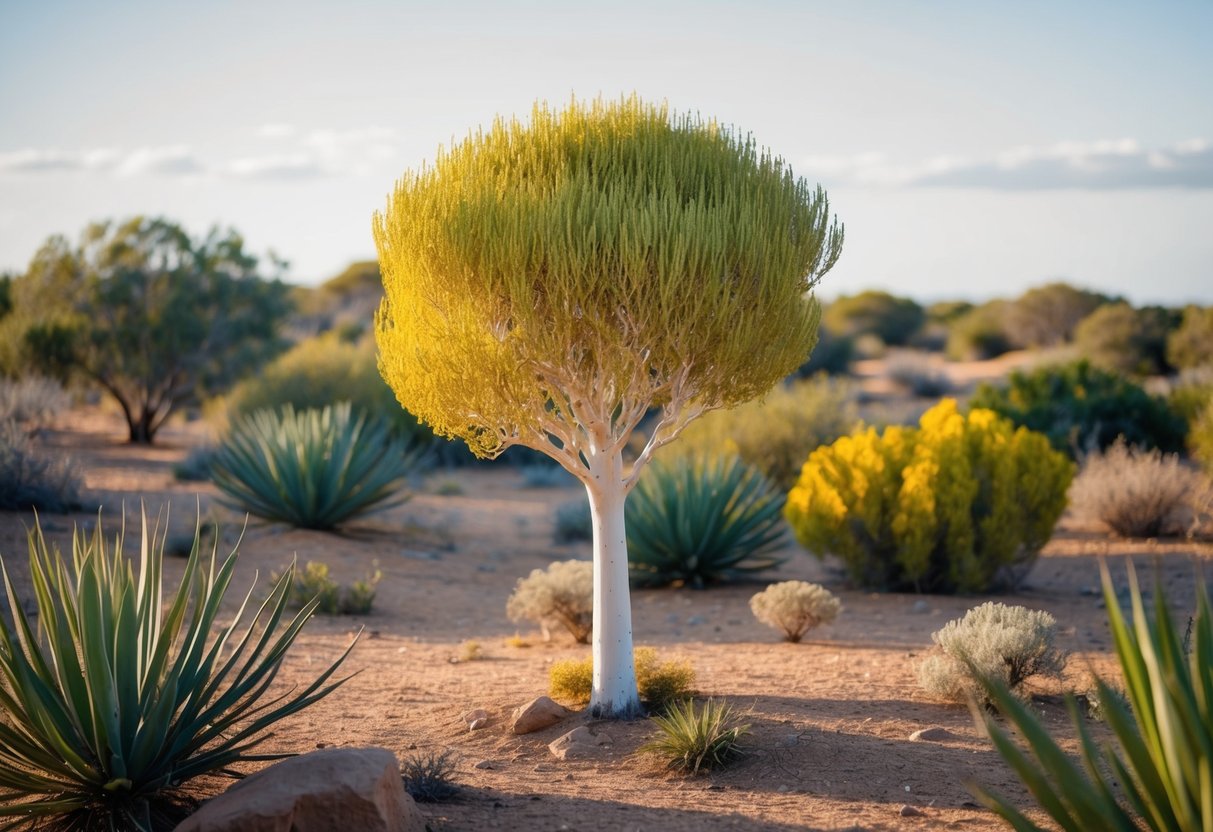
313,469
699,520
696,739
117,699
1158,771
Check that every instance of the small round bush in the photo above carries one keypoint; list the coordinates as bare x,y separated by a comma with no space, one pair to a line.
963,503
795,607
1191,344
658,682
892,319
979,334
31,478
1122,339
564,591
696,521
1006,643
1135,493
1083,408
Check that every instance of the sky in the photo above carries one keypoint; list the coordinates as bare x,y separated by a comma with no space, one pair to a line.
972,149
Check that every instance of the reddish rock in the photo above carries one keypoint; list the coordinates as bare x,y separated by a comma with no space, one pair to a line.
324,791
580,744
537,714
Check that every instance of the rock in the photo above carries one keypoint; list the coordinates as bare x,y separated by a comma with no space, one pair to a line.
932,734
485,765
536,715
477,724
580,744
338,788
908,811
476,719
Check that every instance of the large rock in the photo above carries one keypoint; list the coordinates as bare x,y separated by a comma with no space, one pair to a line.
580,744
334,790
537,714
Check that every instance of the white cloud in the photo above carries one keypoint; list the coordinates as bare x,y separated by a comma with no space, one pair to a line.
276,131
173,160
283,166
30,160
1099,165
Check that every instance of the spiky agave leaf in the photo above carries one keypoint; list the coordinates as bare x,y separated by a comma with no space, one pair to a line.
1158,771
118,695
694,739
313,468
702,519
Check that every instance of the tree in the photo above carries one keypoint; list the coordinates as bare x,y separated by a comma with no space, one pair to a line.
1047,315
1126,340
1191,345
160,318
548,283
892,319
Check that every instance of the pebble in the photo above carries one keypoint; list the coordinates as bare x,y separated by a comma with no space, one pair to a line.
485,765
932,734
908,811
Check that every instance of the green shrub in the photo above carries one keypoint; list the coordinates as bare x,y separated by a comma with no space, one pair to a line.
701,520
1190,391
832,355
314,584
574,521
98,734
196,467
892,319
1125,340
1135,493
323,371
428,777
775,433
564,591
992,641
1200,438
32,479
960,504
697,739
1082,408
1154,773
1191,344
315,469
979,334
659,682
795,607
1046,316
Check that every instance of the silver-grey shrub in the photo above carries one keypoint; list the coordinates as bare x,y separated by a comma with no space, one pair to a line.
795,607
31,401
30,478
564,592
1007,643
1135,492
574,521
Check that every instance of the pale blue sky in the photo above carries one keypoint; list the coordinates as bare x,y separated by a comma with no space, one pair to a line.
972,148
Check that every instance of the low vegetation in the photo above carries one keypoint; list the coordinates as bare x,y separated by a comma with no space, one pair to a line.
694,739
918,375
429,776
563,592
98,737
695,521
32,478
659,682
573,521
1135,493
993,641
314,469
314,584
31,401
1154,773
795,607
963,503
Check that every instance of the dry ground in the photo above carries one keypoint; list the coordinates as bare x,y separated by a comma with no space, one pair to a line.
831,717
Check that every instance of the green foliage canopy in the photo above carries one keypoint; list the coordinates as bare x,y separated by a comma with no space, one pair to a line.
548,282
892,319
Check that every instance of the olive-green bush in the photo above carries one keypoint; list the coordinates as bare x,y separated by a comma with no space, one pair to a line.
979,333
1122,339
892,319
1191,344
963,503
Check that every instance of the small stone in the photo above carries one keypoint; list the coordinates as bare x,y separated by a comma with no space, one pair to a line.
474,716
373,634
789,740
579,744
322,745
541,712
477,724
920,606
696,620
485,765
783,788
908,811
932,734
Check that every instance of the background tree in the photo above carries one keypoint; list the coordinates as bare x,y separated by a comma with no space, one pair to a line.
979,333
159,318
1127,340
1047,315
549,283
892,319
1191,345
42,309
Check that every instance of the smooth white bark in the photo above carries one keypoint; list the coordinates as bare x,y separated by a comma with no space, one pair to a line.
614,685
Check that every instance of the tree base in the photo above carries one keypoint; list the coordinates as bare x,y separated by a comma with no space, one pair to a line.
624,711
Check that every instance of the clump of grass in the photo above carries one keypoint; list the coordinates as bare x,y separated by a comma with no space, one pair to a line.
574,522
1007,644
660,683
1135,492
564,591
696,739
428,776
795,607
314,582
470,651
32,479
517,641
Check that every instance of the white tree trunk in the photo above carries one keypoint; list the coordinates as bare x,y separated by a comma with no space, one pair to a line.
614,687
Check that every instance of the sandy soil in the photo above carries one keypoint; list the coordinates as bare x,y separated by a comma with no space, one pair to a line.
831,717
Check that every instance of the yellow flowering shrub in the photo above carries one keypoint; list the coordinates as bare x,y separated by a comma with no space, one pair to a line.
963,503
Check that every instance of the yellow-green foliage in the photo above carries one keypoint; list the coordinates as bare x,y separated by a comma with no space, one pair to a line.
776,433
1200,438
659,682
606,255
963,503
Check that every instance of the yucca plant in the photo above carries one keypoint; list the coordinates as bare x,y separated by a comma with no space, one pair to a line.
702,519
116,699
1157,773
697,739
314,469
